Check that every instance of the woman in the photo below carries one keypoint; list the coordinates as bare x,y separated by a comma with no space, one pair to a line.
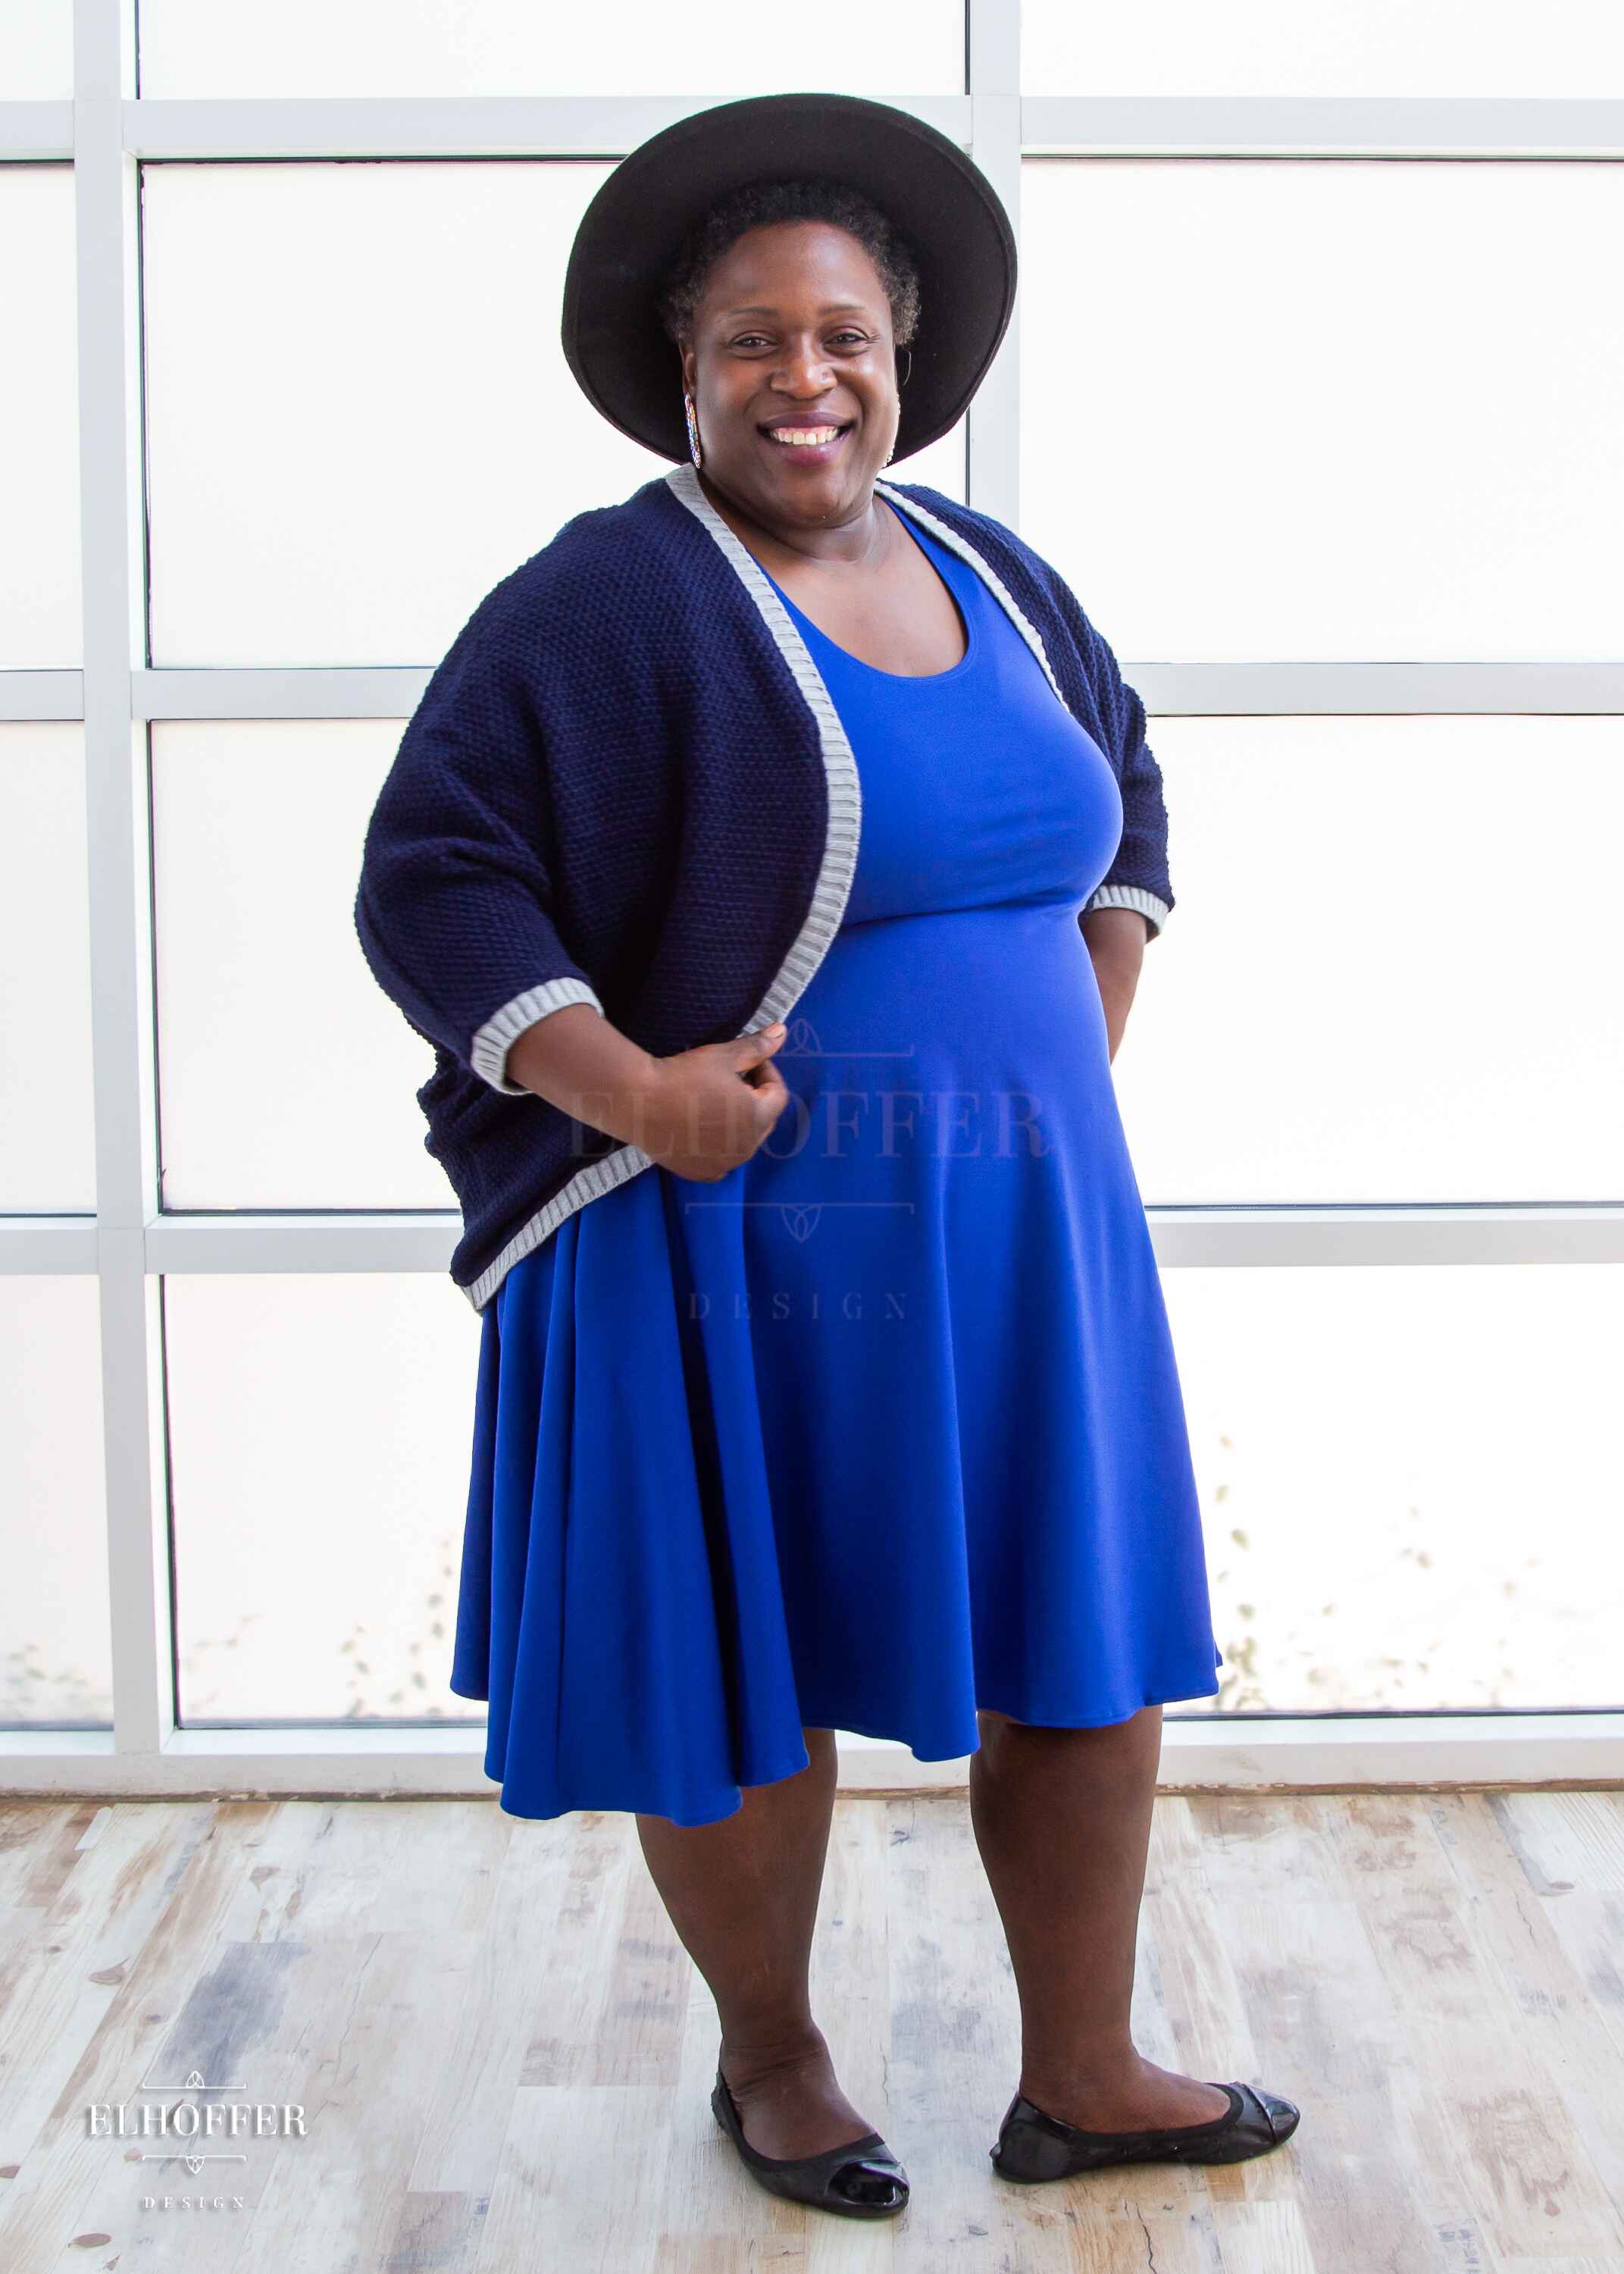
825,1380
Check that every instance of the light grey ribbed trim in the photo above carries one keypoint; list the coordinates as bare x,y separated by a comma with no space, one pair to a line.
596,1177
1131,896
983,569
1109,896
488,1051
823,918
834,883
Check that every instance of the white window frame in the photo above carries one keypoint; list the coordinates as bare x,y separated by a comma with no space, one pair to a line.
105,133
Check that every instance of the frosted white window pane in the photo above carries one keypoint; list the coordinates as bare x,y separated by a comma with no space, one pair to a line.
322,1435
287,1075
36,51
46,1100
55,1654
1395,966
1410,1477
40,601
1322,46
1411,1481
1326,409
359,416
512,47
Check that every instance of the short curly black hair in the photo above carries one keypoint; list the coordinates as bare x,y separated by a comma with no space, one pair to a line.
757,204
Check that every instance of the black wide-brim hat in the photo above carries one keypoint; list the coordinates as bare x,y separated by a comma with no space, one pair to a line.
931,192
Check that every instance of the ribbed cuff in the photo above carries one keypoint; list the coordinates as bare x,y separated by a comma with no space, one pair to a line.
1155,911
488,1052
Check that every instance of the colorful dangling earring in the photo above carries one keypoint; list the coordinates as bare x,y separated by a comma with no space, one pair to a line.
692,428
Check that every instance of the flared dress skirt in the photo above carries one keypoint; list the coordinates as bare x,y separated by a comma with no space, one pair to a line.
885,1425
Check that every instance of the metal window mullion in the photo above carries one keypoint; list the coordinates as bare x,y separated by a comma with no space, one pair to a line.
118,854
992,47
1198,1236
324,128
38,694
1322,126
1501,1748
1289,688
37,132
1050,125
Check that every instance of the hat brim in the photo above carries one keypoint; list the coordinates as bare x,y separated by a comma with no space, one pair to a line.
929,190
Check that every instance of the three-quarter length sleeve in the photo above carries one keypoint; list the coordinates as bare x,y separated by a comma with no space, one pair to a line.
1138,876
454,906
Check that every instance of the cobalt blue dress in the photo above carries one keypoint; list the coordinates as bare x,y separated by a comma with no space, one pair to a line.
884,1425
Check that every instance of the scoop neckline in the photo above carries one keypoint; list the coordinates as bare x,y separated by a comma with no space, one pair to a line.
859,663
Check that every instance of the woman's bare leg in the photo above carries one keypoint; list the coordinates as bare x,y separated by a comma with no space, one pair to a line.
1061,1819
743,1897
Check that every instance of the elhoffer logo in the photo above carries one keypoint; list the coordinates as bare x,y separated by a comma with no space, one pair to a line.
186,2125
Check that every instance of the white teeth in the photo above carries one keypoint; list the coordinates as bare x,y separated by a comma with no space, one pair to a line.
799,435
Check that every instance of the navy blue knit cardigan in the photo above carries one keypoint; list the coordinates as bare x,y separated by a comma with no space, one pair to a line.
627,786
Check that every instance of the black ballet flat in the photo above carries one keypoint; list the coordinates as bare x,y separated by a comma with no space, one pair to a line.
860,2179
1032,2146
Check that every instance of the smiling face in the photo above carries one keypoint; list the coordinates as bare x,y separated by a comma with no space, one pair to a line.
792,336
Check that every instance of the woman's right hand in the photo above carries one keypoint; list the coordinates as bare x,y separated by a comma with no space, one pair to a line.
704,1111
698,1113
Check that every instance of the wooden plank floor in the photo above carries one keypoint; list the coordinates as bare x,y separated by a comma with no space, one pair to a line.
504,2055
